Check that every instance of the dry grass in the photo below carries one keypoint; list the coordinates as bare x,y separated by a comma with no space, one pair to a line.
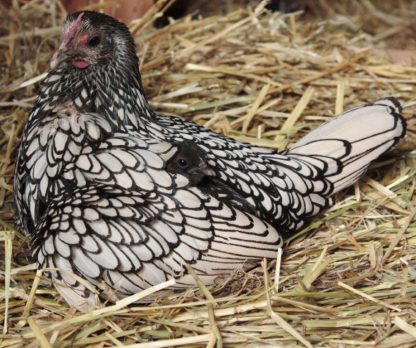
349,279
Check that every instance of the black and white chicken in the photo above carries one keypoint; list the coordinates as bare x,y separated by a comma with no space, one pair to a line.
120,196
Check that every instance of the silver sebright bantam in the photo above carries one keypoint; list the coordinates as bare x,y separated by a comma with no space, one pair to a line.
114,193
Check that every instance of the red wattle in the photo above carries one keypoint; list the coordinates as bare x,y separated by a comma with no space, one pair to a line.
80,63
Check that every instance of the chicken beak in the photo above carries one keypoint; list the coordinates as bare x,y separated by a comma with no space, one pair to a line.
202,169
65,54
58,57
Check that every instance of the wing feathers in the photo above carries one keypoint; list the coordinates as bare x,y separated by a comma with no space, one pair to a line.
133,251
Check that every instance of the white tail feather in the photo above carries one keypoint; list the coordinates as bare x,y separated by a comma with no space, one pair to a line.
354,139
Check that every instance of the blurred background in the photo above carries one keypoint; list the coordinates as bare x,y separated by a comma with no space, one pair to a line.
127,10
396,50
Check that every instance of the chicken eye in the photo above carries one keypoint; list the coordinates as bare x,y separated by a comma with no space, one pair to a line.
182,163
94,41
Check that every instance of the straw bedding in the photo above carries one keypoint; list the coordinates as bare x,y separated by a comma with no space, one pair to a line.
348,279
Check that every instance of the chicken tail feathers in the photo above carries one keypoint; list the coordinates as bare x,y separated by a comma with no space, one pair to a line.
350,142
